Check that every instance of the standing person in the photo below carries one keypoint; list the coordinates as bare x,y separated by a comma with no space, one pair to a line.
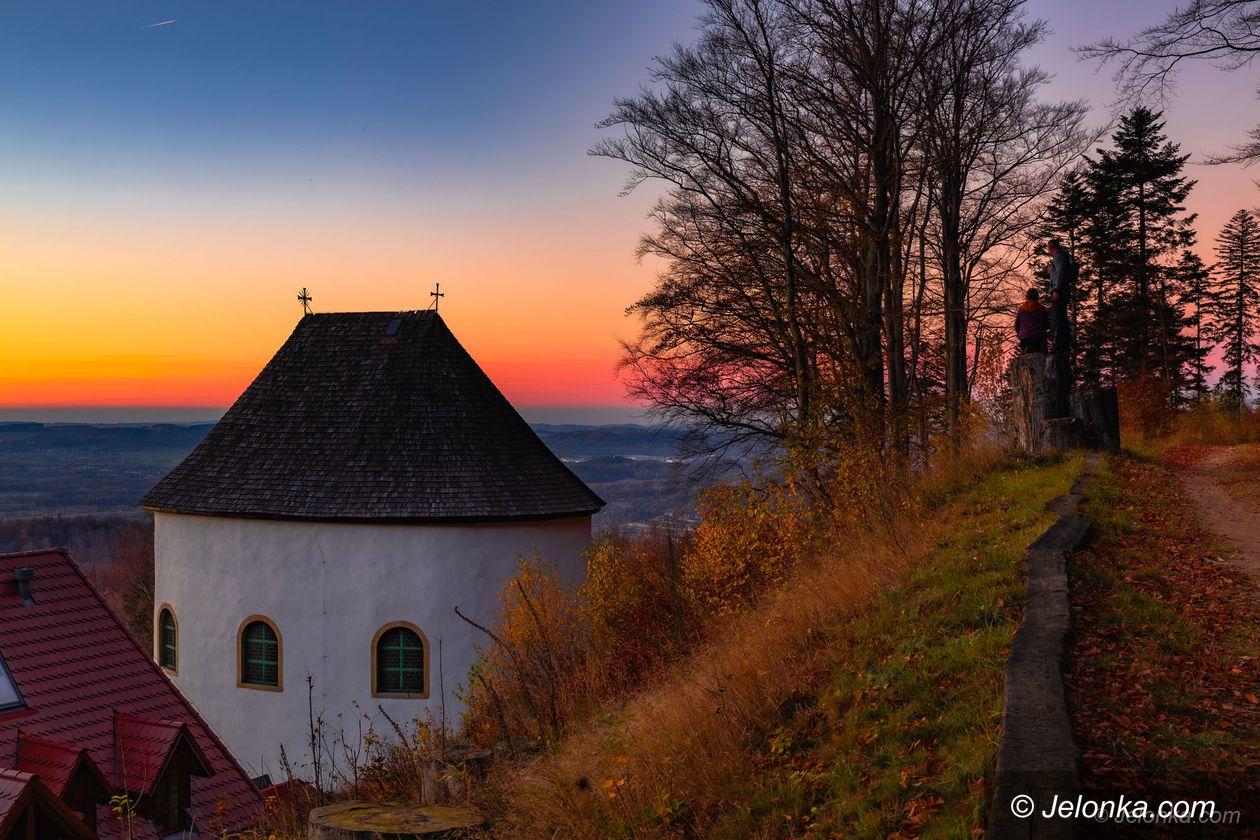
1062,278
1032,321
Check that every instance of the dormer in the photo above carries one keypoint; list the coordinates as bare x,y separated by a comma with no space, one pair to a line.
155,761
68,771
30,811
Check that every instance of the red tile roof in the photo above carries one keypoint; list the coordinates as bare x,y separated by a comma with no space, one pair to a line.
18,790
145,746
56,762
77,668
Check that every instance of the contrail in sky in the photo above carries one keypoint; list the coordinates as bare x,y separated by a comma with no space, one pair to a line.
160,23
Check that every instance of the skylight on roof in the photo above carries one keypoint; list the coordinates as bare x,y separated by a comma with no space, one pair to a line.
9,696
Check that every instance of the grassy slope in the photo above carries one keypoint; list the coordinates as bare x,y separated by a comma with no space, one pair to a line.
886,722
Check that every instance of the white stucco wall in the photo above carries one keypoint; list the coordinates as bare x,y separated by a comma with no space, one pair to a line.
329,588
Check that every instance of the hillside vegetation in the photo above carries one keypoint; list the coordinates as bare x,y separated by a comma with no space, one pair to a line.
855,688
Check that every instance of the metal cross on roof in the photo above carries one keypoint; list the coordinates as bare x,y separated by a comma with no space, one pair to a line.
437,294
305,298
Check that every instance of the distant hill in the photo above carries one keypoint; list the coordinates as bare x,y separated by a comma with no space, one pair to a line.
627,441
102,469
79,468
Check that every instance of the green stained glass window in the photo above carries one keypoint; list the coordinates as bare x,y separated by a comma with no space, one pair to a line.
399,662
168,642
260,655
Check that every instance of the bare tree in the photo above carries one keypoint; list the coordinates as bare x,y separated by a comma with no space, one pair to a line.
996,152
723,345
1225,33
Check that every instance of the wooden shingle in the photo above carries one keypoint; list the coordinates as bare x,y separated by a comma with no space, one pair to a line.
371,417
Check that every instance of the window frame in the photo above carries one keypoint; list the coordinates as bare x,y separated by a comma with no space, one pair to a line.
173,670
424,645
18,702
240,655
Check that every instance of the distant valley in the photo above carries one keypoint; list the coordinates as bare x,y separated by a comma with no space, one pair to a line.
79,484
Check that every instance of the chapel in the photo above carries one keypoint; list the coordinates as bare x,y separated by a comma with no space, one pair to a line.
369,481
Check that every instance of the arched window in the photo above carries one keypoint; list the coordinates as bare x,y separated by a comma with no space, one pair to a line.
400,662
259,652
168,640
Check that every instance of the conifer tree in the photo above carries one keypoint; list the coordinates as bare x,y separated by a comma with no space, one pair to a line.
1236,308
1198,298
1067,217
1137,228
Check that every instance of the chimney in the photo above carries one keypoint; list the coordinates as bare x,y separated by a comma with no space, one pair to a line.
23,577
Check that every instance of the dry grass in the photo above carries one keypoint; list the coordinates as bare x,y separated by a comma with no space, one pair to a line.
674,758
688,730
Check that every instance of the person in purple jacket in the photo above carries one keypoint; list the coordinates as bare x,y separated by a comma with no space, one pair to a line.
1031,324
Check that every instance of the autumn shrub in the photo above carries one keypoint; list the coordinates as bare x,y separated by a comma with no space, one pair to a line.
556,649
749,539
1214,420
635,602
533,668
1144,408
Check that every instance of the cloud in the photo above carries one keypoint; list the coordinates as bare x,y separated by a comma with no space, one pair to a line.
160,23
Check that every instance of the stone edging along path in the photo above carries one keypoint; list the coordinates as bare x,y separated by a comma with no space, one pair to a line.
1038,757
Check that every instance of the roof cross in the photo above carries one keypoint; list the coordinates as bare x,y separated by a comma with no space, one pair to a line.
305,298
437,294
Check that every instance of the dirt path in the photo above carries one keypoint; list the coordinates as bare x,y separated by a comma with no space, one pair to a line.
1225,487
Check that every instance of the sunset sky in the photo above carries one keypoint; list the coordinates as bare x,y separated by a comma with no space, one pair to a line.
172,173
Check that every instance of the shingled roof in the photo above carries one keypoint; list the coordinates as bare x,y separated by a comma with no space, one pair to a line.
373,416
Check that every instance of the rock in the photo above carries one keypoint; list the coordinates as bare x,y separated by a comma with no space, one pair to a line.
388,821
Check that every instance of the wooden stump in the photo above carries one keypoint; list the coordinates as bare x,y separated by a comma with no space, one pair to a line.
1034,381
454,776
1099,410
1047,418
1063,434
386,821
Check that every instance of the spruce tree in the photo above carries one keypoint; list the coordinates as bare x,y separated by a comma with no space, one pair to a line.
1236,308
1138,229
1197,298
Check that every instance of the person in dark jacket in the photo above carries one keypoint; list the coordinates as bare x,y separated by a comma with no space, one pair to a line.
1062,279
1032,321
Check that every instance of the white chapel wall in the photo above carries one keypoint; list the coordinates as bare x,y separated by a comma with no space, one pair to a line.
328,588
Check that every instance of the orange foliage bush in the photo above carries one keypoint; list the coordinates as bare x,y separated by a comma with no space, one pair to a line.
557,652
1144,407
748,540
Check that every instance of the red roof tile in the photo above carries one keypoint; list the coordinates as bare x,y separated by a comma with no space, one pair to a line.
12,789
56,762
18,790
77,667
